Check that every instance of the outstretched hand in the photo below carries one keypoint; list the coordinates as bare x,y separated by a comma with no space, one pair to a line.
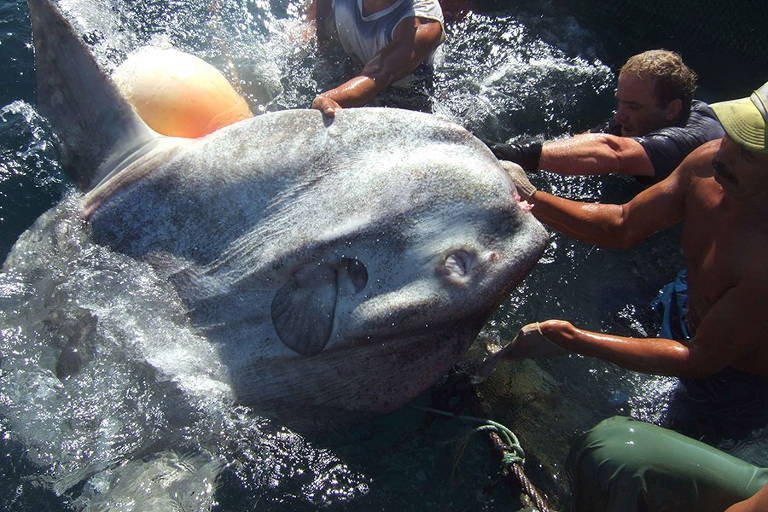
529,343
326,105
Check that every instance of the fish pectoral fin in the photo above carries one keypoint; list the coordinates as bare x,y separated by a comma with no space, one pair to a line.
303,309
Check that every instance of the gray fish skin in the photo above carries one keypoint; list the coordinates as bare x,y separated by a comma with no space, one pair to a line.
342,266
338,266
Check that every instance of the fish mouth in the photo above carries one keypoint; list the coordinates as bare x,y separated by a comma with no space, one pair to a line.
523,204
368,375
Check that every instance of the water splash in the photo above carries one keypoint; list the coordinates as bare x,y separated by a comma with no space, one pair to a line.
104,381
31,180
501,80
146,383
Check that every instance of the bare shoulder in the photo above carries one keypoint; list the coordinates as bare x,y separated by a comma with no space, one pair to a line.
421,31
698,163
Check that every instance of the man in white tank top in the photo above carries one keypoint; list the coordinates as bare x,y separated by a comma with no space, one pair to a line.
389,38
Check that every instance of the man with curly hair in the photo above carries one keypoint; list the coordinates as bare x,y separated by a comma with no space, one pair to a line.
713,325
657,123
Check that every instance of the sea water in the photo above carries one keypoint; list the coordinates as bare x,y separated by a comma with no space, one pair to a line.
524,71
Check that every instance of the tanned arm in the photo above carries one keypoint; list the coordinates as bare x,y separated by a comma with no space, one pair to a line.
729,333
412,42
757,503
596,153
611,225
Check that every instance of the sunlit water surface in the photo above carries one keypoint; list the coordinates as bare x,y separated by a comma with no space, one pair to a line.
146,412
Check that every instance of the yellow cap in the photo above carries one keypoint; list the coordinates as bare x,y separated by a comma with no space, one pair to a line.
745,119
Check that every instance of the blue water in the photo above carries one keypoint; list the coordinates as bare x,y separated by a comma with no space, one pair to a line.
533,71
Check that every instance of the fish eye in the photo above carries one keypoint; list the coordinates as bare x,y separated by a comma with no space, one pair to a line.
354,273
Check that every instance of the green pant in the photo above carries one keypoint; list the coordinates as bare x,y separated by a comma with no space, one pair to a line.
623,465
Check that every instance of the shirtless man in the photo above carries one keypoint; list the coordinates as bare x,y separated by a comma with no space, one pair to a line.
657,124
720,194
389,38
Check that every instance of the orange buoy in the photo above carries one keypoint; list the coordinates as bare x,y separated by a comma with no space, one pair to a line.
178,94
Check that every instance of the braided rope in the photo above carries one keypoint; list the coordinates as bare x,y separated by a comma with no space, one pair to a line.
512,454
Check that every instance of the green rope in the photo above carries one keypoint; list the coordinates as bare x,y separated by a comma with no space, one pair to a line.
514,453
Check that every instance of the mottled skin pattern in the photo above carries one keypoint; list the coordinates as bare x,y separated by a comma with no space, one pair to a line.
336,265
232,223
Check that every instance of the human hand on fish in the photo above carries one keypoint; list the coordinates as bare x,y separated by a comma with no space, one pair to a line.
529,343
326,105
519,177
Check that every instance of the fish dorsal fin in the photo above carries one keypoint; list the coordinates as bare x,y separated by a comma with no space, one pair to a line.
95,124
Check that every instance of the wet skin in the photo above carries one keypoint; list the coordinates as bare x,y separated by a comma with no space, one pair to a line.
638,108
720,193
639,112
413,40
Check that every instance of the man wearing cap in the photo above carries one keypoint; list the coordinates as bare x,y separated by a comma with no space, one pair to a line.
393,41
657,124
714,335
